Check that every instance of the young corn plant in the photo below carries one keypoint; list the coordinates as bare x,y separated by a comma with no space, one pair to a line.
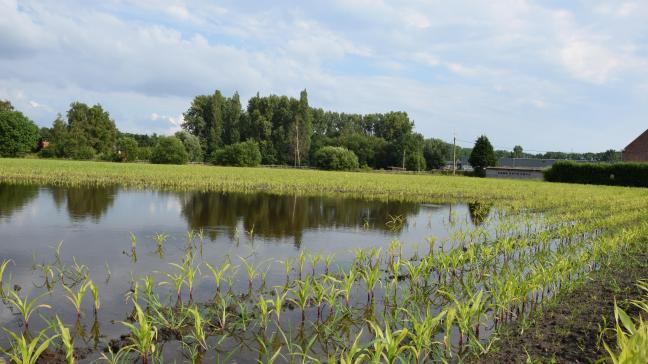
66,340
27,350
198,330
347,284
314,260
3,267
96,302
218,273
142,335
302,296
353,355
387,344
77,298
300,261
287,265
277,303
371,276
26,307
176,280
264,311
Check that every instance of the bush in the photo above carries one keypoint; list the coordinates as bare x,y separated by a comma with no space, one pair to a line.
415,162
245,154
335,158
144,153
618,174
169,150
18,135
84,152
192,145
126,150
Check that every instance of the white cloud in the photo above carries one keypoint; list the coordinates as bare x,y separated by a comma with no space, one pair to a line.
589,62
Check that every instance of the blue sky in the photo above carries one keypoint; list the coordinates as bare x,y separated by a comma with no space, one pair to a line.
548,75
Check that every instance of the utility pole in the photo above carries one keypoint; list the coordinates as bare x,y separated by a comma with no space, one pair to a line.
454,153
403,158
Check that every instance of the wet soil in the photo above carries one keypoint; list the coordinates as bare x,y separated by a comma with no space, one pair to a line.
568,330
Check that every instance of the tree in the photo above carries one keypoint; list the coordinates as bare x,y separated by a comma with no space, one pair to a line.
192,145
436,152
169,150
5,105
610,156
245,154
18,134
126,149
518,152
94,126
301,130
57,139
335,158
204,119
231,119
482,156
415,162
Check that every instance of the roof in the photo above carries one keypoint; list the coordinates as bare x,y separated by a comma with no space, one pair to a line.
637,139
525,162
516,169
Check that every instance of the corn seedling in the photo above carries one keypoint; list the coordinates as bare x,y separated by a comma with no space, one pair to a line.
25,350
26,307
142,335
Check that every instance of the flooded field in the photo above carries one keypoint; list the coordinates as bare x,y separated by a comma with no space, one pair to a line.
117,237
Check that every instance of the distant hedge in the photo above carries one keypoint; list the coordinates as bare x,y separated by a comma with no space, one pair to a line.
618,174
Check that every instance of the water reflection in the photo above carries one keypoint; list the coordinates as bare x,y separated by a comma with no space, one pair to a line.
84,202
271,216
479,211
14,197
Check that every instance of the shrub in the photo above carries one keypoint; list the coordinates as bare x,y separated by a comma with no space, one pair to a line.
618,174
169,150
126,149
335,158
18,135
415,162
245,154
144,153
84,152
192,145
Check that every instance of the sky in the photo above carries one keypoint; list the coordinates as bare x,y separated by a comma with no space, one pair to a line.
547,75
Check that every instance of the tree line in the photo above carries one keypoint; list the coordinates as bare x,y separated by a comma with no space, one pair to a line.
270,130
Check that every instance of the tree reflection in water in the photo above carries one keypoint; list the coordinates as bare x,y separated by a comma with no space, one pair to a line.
15,197
85,202
273,216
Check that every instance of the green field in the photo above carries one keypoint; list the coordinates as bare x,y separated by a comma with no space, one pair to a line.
423,188
542,238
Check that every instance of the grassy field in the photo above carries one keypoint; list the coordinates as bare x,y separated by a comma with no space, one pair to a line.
422,188
543,239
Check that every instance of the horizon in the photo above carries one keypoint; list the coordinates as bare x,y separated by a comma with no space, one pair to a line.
516,71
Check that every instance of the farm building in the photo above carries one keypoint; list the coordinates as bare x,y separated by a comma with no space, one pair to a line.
637,150
462,165
514,173
519,168
525,162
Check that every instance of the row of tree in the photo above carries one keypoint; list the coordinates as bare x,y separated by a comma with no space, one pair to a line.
270,130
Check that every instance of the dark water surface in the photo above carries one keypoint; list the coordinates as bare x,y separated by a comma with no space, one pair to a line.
95,225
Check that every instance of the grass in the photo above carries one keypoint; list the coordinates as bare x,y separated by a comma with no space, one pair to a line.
540,239
420,188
